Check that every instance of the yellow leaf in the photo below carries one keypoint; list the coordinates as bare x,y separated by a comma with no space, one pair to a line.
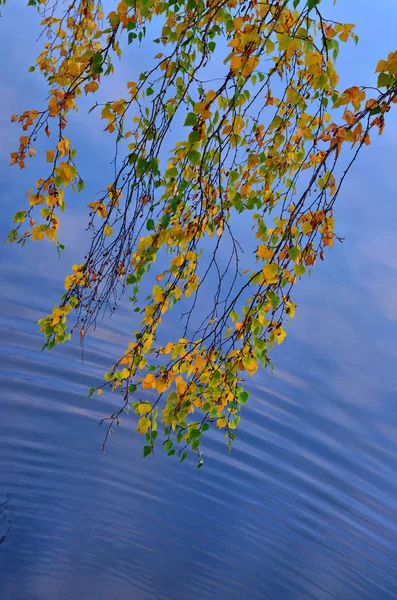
63,146
250,65
51,200
221,422
382,66
250,364
236,62
307,228
36,199
51,234
37,233
143,425
125,373
162,385
371,103
143,408
314,58
66,172
270,273
54,107
132,87
158,293
264,252
69,281
238,22
168,348
107,230
149,382
181,385
202,109
100,208
177,261
91,87
280,335
99,392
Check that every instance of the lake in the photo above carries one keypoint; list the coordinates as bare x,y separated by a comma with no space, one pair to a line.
303,508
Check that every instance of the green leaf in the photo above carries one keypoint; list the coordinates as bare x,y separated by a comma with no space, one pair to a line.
273,299
294,253
97,61
191,119
243,397
312,4
172,172
299,270
194,137
195,157
150,224
146,451
165,220
183,457
195,433
19,216
234,316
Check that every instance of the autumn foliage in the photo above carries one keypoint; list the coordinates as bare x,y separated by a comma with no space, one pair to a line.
270,137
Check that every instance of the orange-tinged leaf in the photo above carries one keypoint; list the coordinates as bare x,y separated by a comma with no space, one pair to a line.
264,252
63,146
91,87
50,155
236,62
54,107
51,234
181,385
168,348
149,382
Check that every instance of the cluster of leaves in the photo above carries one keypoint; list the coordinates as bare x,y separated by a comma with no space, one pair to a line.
259,139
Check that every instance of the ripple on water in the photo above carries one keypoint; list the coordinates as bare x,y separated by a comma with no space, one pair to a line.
305,502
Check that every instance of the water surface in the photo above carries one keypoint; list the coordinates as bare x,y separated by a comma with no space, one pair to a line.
303,508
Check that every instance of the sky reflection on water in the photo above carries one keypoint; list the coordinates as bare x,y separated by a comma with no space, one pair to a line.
305,505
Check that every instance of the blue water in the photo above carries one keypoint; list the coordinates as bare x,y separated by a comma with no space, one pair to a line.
305,506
